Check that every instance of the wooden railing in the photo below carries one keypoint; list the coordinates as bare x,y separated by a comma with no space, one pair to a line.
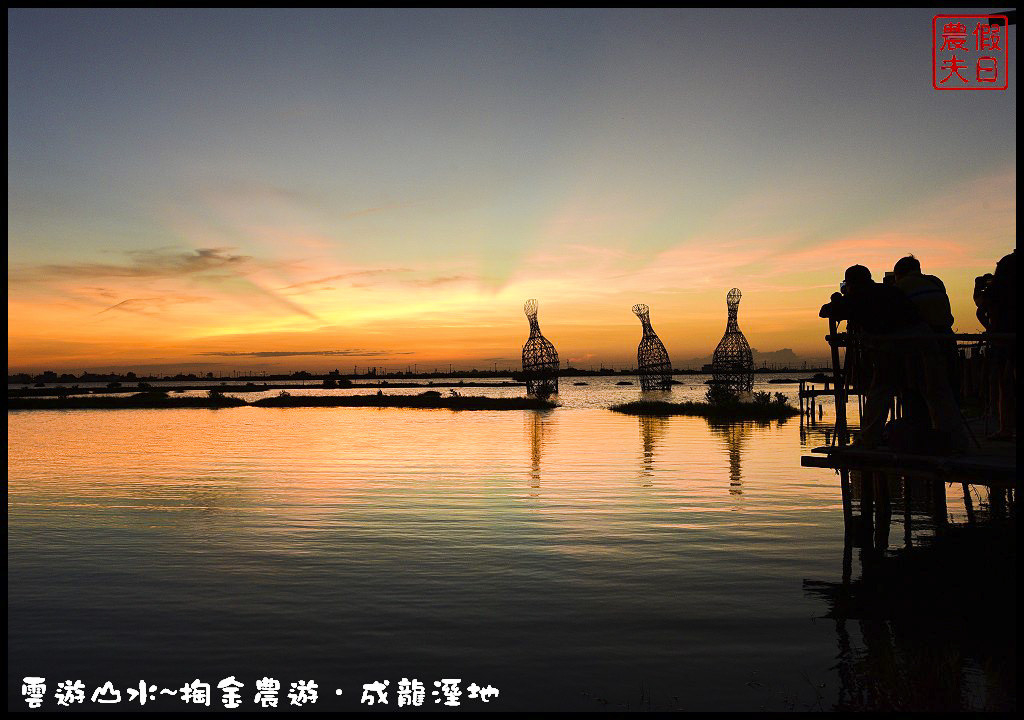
840,369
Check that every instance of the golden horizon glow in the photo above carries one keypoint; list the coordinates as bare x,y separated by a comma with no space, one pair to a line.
177,306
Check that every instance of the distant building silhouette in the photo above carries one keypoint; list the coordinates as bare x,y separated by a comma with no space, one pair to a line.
653,365
540,359
732,365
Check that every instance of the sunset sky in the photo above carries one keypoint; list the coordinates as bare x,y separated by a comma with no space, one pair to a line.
221,189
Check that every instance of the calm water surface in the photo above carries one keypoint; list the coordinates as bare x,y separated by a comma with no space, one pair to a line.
574,558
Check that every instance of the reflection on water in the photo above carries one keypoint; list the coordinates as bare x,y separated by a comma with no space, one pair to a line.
930,629
354,544
734,434
930,625
540,424
651,430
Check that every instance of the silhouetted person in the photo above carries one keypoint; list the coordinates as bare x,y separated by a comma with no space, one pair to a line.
880,311
999,301
928,293
982,300
990,379
1003,292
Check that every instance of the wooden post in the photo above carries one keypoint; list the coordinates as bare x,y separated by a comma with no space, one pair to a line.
997,503
801,402
847,559
968,504
940,512
842,436
883,512
907,530
844,481
867,508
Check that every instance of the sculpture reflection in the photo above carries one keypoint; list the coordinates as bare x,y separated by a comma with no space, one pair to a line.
735,435
538,425
652,430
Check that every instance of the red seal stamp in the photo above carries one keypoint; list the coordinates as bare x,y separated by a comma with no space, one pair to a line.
970,52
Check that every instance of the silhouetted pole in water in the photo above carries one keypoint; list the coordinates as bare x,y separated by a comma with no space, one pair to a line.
908,537
867,506
883,513
940,510
842,435
844,483
847,557
968,503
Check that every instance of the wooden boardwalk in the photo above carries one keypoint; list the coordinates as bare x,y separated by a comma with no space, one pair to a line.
986,462
989,462
995,470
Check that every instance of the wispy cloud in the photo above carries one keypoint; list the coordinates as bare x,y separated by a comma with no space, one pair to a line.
156,263
345,276
216,267
151,305
378,209
376,277
437,281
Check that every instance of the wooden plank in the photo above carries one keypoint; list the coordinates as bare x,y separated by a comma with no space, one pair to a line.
839,339
816,393
985,470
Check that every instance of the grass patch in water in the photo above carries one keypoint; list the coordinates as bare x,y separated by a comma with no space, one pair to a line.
428,400
144,400
714,411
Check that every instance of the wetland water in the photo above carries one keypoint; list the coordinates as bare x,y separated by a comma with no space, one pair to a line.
574,558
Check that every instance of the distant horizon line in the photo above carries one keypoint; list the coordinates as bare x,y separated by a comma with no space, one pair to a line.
383,371
761,360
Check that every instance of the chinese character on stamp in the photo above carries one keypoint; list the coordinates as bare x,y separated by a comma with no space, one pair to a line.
970,52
